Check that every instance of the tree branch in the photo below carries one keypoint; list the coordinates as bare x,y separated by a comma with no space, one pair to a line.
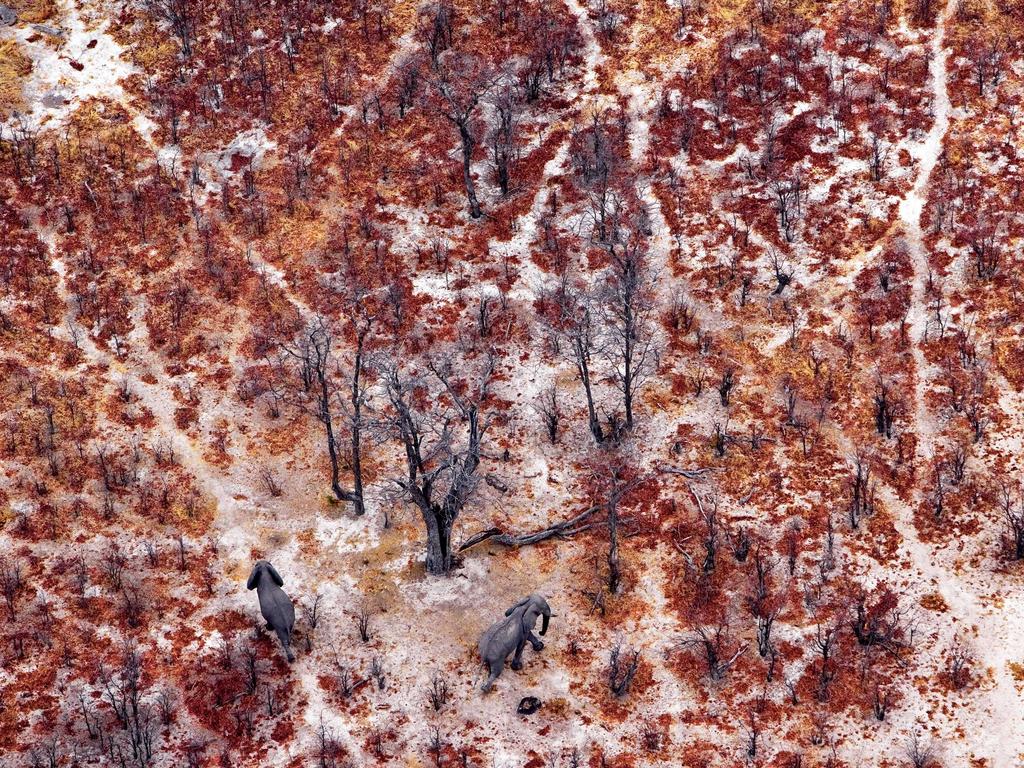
564,529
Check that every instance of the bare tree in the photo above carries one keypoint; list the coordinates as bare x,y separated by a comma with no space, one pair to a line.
1013,516
920,751
713,644
547,407
435,30
438,693
504,149
620,671
318,388
887,407
617,481
783,277
181,16
986,57
440,468
574,324
10,584
461,82
628,301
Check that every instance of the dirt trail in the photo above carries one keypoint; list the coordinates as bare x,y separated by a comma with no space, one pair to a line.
910,210
993,623
157,397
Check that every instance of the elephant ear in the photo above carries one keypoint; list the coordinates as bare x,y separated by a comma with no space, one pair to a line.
521,603
275,575
253,577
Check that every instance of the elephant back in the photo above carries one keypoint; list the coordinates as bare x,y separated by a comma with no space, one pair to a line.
499,638
276,606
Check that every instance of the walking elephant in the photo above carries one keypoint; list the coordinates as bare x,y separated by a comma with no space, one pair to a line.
511,634
275,605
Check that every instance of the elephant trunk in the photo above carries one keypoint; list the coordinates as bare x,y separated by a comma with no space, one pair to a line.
544,622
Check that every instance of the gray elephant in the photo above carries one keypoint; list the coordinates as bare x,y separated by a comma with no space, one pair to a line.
275,605
511,633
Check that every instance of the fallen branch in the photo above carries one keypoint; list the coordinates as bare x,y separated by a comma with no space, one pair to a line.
689,474
564,529
700,504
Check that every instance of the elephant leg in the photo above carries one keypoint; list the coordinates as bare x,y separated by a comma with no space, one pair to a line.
535,641
286,643
517,660
495,667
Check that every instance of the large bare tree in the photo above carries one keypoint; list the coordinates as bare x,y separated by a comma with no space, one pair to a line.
437,417
458,86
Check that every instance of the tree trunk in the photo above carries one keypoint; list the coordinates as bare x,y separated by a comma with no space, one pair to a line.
357,419
332,449
467,175
439,532
327,419
614,574
627,378
584,371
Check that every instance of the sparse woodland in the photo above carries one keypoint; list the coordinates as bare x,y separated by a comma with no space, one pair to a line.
700,318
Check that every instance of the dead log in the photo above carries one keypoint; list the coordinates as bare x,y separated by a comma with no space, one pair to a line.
689,474
564,529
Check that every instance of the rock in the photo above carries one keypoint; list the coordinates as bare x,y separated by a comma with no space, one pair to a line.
46,29
7,16
528,705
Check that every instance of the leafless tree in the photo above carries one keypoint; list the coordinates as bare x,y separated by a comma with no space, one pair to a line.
628,302
725,385
503,140
363,624
681,313
788,199
960,660
269,478
783,277
459,85
439,692
887,407
181,16
441,470
622,668
312,613
320,390
574,324
547,407
617,486
886,627
125,693
435,30
10,584
713,643
877,156
983,240
986,57
825,641
1013,515
862,490
920,751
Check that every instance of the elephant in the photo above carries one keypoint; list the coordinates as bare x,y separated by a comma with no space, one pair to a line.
511,633
275,605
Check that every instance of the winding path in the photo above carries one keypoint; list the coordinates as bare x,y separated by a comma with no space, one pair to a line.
990,714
